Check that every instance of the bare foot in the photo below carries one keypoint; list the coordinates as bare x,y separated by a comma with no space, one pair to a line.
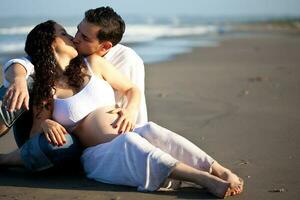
224,189
236,183
219,187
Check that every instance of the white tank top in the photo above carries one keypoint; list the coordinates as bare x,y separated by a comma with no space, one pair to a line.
95,94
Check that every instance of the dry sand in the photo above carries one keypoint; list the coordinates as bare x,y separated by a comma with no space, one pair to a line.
239,102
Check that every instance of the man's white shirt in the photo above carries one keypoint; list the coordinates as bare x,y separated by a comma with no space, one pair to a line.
123,58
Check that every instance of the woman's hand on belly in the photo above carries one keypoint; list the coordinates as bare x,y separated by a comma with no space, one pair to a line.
126,120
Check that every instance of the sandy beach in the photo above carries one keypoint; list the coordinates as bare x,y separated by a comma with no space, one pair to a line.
239,102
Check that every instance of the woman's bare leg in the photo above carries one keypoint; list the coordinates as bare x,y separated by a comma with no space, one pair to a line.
213,184
177,146
187,152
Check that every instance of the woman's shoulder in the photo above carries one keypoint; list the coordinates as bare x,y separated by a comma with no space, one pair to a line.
99,63
95,59
96,63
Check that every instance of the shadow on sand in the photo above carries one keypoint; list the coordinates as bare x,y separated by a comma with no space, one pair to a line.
76,180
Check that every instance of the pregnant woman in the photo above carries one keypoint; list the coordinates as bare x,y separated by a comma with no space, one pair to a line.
75,94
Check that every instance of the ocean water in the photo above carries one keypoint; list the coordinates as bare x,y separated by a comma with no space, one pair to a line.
155,39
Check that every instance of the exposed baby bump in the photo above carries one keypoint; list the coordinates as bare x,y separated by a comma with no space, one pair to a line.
97,127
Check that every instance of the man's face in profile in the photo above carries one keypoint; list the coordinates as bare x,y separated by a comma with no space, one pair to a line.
86,40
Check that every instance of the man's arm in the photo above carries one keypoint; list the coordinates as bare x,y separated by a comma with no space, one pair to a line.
17,93
15,73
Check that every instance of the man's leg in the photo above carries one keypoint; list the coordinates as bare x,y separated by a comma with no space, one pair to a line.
37,154
22,127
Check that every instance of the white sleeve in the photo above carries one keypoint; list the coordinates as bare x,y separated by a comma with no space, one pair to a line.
24,61
132,66
138,78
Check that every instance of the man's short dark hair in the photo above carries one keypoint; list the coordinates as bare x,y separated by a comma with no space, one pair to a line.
112,26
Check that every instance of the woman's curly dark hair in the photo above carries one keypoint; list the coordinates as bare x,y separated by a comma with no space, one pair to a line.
38,47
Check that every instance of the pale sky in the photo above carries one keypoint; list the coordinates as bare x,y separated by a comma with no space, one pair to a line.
206,8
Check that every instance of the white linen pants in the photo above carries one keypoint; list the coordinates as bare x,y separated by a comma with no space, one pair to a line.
143,158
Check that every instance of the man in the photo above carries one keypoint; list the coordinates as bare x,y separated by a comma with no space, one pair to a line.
98,33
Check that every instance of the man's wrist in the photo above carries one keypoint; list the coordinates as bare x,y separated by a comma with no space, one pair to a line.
14,72
18,79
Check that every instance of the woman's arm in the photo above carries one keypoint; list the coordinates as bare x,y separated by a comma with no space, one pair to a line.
38,120
123,85
54,132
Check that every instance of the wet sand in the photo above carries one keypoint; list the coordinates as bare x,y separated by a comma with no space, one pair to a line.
239,102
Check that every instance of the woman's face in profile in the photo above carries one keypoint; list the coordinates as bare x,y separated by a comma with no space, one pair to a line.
63,43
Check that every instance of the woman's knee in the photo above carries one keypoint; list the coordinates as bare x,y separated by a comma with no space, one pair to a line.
131,137
151,127
135,141
155,131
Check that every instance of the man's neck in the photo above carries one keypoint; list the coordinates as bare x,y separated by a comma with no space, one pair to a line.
101,53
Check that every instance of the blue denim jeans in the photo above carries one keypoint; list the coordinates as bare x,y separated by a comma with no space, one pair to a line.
36,152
